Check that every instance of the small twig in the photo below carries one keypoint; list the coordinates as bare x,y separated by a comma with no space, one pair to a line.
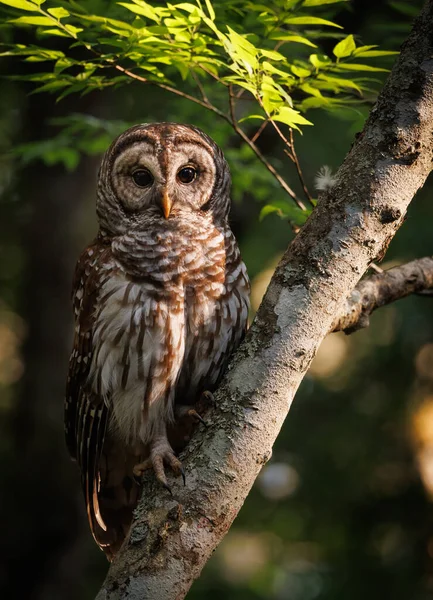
295,159
200,87
290,151
163,86
257,152
259,131
382,288
213,75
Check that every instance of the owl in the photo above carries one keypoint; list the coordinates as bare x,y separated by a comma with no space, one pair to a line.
161,298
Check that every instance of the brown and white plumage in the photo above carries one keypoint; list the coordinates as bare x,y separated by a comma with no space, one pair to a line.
161,301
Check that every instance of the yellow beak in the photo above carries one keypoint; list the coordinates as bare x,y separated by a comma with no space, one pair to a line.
166,204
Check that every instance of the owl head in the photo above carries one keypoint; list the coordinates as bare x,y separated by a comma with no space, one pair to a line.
161,171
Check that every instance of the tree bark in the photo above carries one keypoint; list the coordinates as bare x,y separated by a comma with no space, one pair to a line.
383,288
352,225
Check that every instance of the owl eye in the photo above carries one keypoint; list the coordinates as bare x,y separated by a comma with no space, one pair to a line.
187,174
142,177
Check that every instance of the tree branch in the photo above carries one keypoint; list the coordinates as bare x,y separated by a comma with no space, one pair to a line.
173,537
257,152
381,289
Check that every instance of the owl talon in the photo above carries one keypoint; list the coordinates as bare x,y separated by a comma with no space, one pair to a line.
139,468
208,397
182,472
193,413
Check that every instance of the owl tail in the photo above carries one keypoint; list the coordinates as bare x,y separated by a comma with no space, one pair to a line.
114,495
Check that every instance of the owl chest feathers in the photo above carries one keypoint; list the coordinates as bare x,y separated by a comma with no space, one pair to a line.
164,320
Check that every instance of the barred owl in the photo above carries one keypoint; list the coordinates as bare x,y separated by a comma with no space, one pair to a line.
161,301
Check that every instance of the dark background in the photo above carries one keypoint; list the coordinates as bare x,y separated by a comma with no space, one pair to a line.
344,508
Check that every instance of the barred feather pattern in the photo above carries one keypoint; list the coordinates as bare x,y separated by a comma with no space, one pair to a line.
160,304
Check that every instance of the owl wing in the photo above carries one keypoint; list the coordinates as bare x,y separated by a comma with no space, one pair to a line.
86,414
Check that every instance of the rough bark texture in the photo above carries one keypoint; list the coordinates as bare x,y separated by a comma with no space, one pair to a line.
383,288
172,538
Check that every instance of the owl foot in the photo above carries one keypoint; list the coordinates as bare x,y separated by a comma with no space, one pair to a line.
206,399
189,411
161,452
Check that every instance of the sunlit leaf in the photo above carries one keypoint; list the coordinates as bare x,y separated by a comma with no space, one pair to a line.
22,4
292,38
374,53
40,21
319,61
320,2
290,117
345,47
210,9
143,9
310,21
247,118
300,71
358,67
59,12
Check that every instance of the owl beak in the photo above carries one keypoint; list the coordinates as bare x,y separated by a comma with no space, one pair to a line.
166,204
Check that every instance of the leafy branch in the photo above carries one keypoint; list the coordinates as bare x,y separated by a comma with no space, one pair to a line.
259,53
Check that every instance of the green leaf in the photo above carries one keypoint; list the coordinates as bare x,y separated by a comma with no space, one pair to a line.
59,12
239,48
292,38
272,55
320,2
309,89
374,53
335,83
319,61
310,21
300,71
51,86
143,9
41,21
22,4
247,118
345,47
290,117
240,41
56,32
358,67
269,209
285,210
210,9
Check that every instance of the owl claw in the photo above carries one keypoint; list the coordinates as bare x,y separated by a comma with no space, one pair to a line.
191,412
161,452
182,472
208,397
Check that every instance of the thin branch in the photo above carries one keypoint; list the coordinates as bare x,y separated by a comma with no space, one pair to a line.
259,131
383,288
200,87
295,159
168,88
290,151
259,155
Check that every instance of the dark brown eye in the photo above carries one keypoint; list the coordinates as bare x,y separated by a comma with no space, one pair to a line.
187,175
142,177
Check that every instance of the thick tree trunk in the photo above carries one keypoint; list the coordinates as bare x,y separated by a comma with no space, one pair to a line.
172,538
